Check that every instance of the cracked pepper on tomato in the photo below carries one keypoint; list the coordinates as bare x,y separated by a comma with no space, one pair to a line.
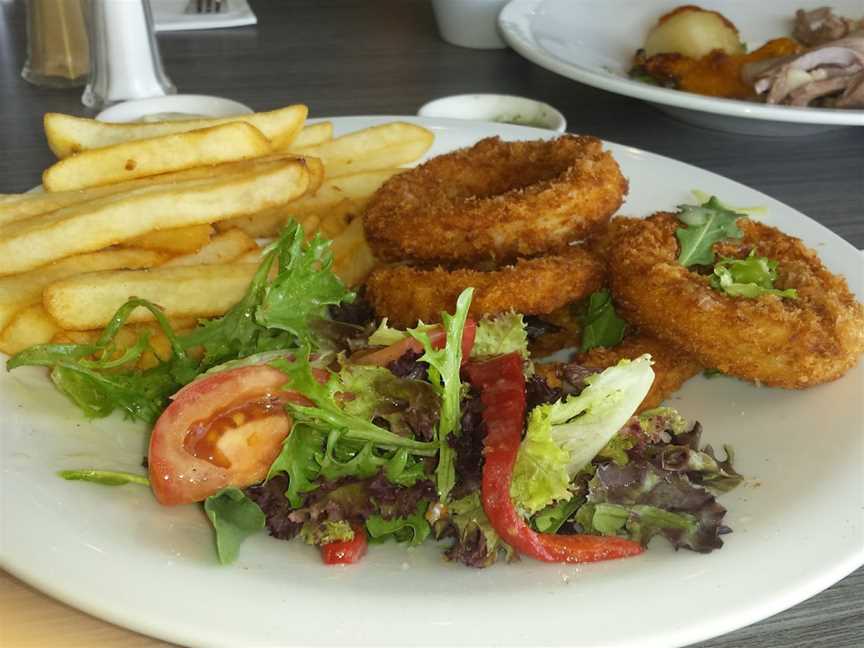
297,413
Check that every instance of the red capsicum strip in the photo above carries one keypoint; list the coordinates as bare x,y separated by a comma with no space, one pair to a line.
502,391
347,551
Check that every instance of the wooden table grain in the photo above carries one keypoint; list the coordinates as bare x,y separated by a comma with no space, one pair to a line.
346,57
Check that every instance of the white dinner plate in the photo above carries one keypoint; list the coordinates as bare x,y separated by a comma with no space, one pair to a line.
593,41
115,553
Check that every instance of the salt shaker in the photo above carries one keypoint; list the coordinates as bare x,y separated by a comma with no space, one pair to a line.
57,51
124,57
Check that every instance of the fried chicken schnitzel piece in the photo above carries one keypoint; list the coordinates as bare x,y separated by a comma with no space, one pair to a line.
406,295
496,201
780,342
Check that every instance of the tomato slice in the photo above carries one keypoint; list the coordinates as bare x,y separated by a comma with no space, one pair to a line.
383,357
345,552
224,430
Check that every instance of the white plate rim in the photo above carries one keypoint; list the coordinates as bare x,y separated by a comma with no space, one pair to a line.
515,22
681,635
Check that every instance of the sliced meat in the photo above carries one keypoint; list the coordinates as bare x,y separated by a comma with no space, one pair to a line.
821,26
828,71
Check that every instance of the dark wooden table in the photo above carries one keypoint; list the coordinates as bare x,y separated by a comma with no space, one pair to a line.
345,57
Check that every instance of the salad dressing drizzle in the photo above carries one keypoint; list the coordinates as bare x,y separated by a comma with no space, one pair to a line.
202,439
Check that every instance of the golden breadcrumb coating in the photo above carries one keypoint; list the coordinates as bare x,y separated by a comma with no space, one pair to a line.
790,343
406,294
495,201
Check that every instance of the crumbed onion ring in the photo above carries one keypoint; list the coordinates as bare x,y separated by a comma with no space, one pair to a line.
406,295
790,343
496,201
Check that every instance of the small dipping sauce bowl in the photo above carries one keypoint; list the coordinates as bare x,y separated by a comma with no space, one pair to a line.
506,109
173,107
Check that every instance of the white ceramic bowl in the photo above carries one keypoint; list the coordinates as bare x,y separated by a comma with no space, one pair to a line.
470,23
506,109
192,105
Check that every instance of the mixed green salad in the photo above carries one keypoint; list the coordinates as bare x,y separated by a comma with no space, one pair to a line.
298,413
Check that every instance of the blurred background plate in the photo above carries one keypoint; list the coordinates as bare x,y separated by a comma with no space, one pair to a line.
170,15
593,41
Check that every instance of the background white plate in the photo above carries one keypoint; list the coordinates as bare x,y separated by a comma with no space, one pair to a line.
115,553
593,41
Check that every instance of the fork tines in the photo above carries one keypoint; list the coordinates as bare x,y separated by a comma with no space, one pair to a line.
205,6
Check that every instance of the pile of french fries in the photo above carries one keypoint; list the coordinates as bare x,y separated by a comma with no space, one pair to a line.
174,212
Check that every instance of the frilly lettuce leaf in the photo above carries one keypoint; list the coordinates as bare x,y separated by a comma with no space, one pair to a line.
477,544
326,531
304,285
501,335
444,367
276,313
359,381
99,378
582,425
297,461
413,529
640,523
327,412
640,500
662,419
234,517
385,335
616,449
346,459
563,437
410,407
750,277
550,519
541,474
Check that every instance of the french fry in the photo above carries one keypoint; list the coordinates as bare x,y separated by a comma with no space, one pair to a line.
378,147
17,292
68,135
352,257
142,158
35,203
270,222
330,197
160,345
357,187
335,220
252,256
179,240
223,248
97,224
75,337
128,335
312,134
89,301
30,326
